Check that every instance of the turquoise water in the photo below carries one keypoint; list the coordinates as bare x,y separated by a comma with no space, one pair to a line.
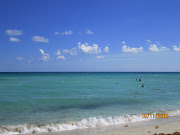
44,98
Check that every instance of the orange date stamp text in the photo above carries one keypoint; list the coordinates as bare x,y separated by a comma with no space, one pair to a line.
155,116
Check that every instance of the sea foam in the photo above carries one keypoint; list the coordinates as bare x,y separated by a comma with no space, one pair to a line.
84,123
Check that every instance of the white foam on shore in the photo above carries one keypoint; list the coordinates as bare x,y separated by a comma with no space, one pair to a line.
84,123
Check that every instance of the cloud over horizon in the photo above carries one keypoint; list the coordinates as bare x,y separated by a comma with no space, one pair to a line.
131,50
85,48
156,48
106,49
176,48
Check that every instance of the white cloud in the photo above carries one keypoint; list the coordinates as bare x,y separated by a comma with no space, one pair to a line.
61,57
19,58
89,32
100,57
39,39
155,48
89,49
72,51
106,49
57,53
12,39
132,50
123,42
56,33
149,41
11,32
67,32
163,48
45,56
100,50
176,48
65,51
42,51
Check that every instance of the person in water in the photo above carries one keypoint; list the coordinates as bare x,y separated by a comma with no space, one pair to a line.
139,79
142,85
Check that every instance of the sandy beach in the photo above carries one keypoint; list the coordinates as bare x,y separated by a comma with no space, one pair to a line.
148,130
166,126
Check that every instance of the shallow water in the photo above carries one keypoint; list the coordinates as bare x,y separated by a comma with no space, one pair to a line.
62,98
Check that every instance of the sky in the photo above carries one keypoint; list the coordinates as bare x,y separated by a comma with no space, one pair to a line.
89,35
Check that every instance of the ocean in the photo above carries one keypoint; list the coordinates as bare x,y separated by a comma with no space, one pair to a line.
50,102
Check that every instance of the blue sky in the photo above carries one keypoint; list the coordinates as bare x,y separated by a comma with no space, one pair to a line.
89,35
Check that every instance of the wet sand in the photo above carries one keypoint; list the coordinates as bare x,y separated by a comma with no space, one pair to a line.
166,126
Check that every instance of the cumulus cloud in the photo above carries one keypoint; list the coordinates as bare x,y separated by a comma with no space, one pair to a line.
176,48
12,39
57,53
156,48
67,32
45,56
19,58
85,48
72,51
89,32
100,57
131,50
39,39
61,57
11,32
106,49
153,48
56,33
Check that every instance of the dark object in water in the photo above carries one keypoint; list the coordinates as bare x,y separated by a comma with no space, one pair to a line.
132,100
136,79
139,79
142,85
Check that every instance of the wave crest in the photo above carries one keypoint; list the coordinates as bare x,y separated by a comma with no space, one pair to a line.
84,123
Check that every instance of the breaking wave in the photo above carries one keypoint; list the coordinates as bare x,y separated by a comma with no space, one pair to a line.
84,123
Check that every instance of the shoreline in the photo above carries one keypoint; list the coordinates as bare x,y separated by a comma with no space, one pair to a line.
150,127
